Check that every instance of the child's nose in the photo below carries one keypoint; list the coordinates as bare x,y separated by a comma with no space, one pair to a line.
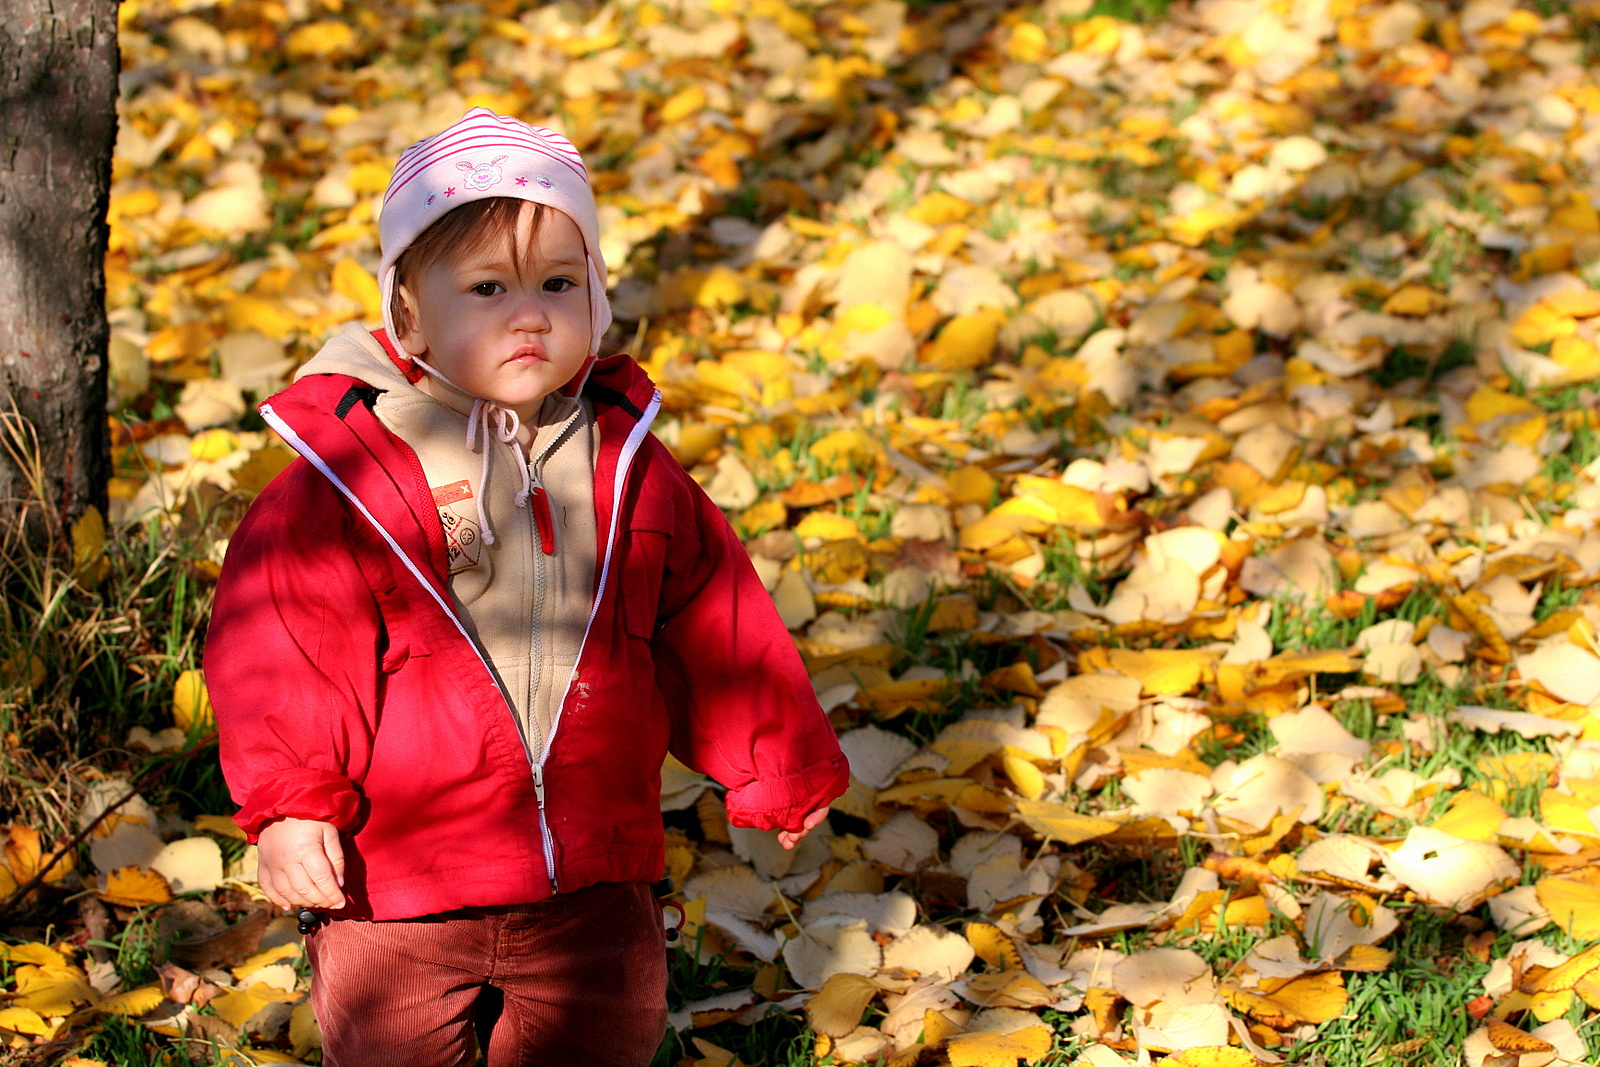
529,313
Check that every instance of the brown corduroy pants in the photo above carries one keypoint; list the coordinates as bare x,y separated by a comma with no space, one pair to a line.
582,977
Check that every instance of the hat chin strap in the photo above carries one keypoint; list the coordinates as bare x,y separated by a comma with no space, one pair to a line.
493,419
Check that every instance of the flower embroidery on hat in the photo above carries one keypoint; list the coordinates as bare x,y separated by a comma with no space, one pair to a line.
483,175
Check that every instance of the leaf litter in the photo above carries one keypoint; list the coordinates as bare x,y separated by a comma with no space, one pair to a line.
1170,440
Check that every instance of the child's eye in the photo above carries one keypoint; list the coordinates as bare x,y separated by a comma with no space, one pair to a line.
488,288
559,285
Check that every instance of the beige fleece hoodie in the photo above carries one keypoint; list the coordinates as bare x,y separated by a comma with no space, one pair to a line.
526,603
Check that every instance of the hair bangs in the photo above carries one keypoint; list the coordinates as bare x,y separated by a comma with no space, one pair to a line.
475,227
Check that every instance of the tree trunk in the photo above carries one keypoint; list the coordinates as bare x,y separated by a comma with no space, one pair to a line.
58,124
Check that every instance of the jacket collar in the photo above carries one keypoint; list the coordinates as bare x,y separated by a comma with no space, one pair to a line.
330,416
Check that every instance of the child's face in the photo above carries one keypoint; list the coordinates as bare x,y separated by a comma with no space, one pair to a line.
509,337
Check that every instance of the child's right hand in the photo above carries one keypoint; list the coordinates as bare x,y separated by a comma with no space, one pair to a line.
301,864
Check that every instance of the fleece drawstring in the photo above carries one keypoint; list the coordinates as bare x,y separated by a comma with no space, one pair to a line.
491,419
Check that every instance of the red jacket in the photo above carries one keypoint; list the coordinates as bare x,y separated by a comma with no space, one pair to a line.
347,690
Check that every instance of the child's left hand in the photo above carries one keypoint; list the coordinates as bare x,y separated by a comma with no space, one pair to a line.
789,839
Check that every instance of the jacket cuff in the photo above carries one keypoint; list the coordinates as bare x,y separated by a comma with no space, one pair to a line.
783,803
300,793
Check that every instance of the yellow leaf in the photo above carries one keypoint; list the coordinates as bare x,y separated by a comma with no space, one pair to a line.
1415,300
263,316
1573,902
1579,356
599,42
238,1005
939,208
1212,1056
970,485
320,39
985,534
835,1009
265,958
1028,43
682,104
1579,303
89,563
33,952
1507,1038
1100,35
135,887
1523,194
26,1021
1546,259
1194,228
25,856
133,1001
132,205
828,526
721,287
191,702
993,946
721,166
1000,1050
188,341
1071,505
52,991
1312,998
304,1033
764,515
967,341
211,445
1472,816
1060,822
1486,403
1577,217
1566,975
368,178
846,448
937,1027
864,318
222,825
1162,671
1028,779
351,279
340,233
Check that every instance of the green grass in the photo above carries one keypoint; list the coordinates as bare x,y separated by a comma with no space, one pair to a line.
127,1044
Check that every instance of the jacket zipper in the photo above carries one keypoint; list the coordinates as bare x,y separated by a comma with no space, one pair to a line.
547,546
630,448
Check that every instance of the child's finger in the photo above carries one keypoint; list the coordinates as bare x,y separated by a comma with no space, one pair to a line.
312,881
270,888
334,849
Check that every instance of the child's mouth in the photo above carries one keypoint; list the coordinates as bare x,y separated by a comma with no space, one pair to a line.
528,354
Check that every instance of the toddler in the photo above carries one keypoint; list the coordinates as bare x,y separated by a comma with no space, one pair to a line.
455,639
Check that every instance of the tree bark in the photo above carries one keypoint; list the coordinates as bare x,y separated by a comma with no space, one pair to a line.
58,124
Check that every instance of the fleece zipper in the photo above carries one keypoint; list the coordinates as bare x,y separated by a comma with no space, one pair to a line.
537,753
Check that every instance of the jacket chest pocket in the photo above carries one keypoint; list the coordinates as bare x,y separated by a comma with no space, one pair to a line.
402,638
644,559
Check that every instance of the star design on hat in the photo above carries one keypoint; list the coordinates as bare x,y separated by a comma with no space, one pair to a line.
522,181
450,191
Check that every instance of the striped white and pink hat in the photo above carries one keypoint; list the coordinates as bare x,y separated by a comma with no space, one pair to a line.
481,156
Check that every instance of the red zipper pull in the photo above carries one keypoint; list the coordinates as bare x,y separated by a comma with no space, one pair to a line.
539,503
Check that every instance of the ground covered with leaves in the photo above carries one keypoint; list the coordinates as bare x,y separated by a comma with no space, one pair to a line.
1169,434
